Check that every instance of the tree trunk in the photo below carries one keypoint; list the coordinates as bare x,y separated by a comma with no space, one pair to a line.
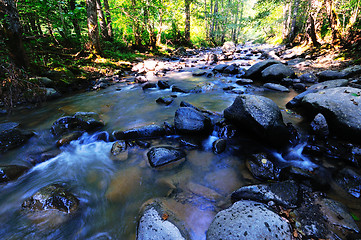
93,31
12,31
187,28
109,20
292,33
160,29
102,22
74,19
312,32
333,21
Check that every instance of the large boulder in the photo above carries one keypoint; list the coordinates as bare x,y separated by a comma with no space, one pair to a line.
11,172
165,157
352,71
259,116
255,72
341,108
296,101
276,72
248,220
331,75
11,136
228,47
190,121
144,132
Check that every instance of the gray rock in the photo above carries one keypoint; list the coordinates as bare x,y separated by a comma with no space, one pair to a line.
276,87
282,193
165,155
323,218
11,172
330,75
51,93
119,151
228,47
164,100
255,72
149,85
261,167
231,69
259,116
11,136
144,132
244,81
352,71
178,89
220,68
319,126
199,73
277,72
308,78
190,121
296,101
248,220
158,222
300,87
47,82
163,84
341,108
350,181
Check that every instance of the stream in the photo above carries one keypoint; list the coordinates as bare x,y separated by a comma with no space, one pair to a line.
111,193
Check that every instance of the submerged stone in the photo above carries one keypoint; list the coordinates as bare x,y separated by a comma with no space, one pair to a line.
165,156
11,172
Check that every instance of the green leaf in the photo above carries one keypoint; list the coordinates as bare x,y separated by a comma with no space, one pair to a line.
355,217
354,95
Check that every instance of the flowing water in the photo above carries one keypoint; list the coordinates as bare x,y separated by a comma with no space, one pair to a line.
111,193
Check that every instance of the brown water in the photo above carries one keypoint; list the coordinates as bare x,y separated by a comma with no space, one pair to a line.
111,193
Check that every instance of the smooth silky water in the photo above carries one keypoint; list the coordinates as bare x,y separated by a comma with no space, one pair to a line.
111,193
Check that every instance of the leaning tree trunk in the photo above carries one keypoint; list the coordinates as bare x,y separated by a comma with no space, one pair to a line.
312,32
12,32
187,28
292,33
93,30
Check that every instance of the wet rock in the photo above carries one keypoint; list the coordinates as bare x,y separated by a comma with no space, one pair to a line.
319,178
149,85
323,218
284,193
231,69
150,65
248,220
163,84
190,121
330,75
199,73
319,126
67,138
228,88
53,197
165,156
11,172
341,108
47,82
119,151
177,89
350,181
255,72
244,81
228,48
296,101
261,167
299,87
276,72
308,78
220,68
144,132
276,87
164,100
81,121
259,116
42,157
219,146
11,136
